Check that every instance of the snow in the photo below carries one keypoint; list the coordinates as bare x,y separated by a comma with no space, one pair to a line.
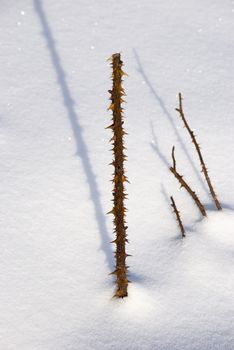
55,291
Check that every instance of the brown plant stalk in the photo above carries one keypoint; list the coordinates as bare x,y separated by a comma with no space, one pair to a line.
178,218
119,177
198,149
184,184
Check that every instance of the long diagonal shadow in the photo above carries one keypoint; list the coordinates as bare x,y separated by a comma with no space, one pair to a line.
156,148
82,150
170,119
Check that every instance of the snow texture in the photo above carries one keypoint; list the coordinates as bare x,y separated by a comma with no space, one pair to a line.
55,292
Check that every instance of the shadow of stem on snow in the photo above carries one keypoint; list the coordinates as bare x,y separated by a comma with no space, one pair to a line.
159,100
81,147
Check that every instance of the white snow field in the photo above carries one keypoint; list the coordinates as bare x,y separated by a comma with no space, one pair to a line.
55,189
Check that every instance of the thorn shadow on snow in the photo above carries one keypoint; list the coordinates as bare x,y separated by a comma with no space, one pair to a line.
82,150
142,279
159,100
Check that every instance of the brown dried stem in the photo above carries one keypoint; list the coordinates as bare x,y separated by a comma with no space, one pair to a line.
184,184
178,218
198,149
118,176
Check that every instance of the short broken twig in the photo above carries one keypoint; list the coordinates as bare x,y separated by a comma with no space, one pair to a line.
198,149
184,184
178,218
173,157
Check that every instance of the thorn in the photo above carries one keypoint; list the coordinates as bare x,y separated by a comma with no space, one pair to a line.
113,138
123,73
111,211
125,179
110,126
111,107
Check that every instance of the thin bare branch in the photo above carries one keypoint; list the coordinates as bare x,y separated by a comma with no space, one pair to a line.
178,218
198,149
184,184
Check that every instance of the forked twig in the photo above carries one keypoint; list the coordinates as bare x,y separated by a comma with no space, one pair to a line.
184,184
178,218
194,141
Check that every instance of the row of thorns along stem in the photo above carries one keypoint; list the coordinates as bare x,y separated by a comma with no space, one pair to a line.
119,177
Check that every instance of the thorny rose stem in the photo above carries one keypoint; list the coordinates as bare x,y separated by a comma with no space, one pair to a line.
118,176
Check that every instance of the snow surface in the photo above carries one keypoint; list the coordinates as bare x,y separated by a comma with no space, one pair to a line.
55,292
